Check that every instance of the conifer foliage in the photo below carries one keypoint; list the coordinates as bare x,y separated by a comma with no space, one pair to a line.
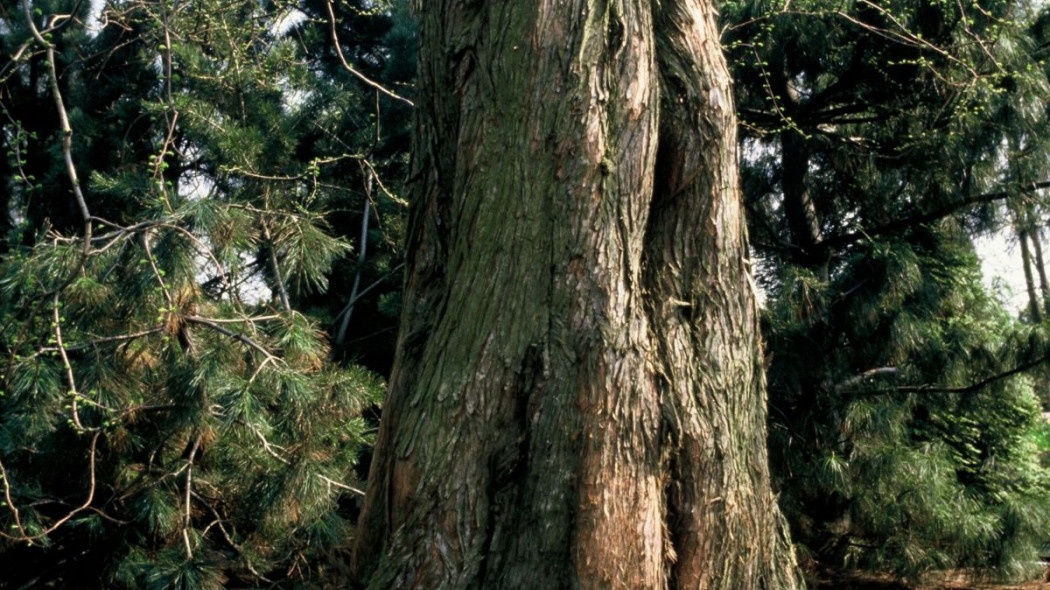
170,413
881,139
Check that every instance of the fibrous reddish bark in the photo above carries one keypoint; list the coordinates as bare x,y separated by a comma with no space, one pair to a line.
577,399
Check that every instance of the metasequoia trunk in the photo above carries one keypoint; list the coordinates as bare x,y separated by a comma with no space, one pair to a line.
577,399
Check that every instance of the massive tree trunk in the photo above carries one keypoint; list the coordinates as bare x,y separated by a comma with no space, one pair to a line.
577,399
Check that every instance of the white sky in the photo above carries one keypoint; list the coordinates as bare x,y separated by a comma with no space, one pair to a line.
1003,274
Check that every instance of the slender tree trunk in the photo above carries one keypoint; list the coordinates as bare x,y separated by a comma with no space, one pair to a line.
1040,268
1034,309
577,399
800,211
799,208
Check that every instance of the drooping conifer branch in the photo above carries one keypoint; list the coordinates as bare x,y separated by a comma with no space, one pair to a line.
909,221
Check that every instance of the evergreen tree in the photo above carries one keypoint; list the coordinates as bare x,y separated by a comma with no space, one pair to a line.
170,415
877,145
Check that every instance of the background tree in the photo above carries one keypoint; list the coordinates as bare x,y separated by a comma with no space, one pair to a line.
880,140
170,413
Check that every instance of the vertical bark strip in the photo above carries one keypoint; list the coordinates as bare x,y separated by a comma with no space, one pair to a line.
577,399
723,519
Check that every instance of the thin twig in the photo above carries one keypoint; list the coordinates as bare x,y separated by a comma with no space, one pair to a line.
349,68
23,536
193,319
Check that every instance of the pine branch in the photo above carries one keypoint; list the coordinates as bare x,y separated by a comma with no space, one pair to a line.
903,223
342,58
932,388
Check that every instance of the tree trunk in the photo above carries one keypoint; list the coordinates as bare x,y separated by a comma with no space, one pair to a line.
799,208
1040,263
577,399
1034,309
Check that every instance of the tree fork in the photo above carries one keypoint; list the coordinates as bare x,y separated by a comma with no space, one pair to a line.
577,398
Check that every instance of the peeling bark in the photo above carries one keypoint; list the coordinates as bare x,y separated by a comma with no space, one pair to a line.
577,399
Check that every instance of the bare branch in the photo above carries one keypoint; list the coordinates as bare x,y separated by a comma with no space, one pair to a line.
102,340
56,318
67,131
332,482
342,58
23,535
967,389
920,218
187,517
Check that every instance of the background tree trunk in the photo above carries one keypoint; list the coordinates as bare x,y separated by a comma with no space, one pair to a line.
577,399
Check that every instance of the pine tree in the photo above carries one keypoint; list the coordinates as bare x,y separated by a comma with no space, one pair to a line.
876,149
171,415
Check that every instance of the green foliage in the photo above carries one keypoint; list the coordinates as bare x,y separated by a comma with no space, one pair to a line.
881,474
172,413
876,148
